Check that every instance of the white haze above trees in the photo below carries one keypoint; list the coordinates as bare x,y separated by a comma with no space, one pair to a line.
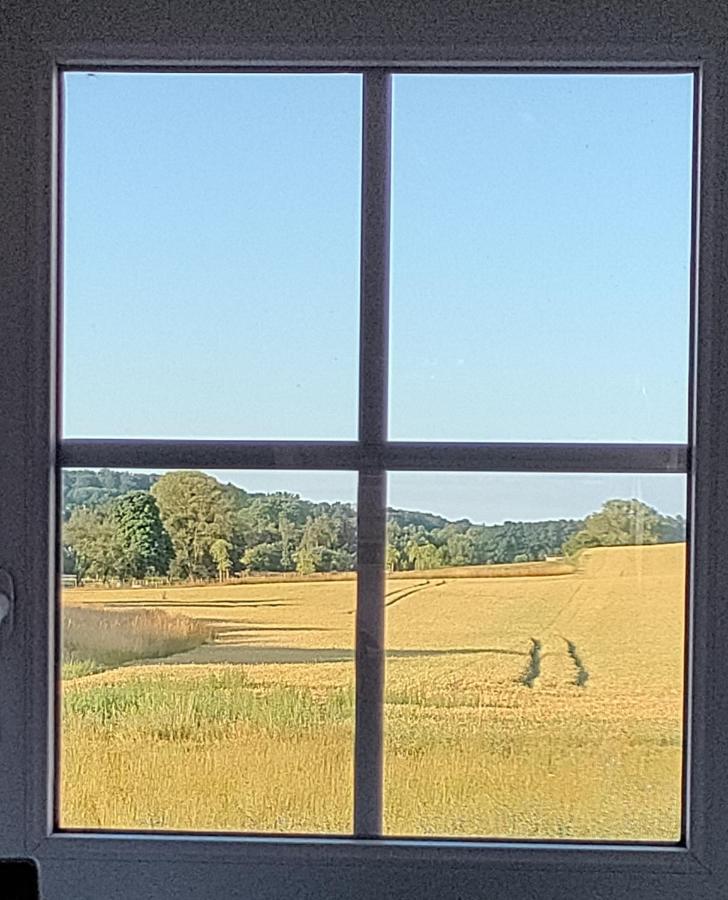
123,526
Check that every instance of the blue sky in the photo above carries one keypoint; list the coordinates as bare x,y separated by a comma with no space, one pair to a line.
480,496
540,266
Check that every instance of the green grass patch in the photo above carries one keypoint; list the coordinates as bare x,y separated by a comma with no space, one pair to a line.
78,668
201,709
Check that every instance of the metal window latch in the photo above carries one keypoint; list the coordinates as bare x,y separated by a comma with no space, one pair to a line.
7,601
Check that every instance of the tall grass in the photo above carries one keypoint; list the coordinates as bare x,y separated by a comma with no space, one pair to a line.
218,750
100,638
211,750
202,709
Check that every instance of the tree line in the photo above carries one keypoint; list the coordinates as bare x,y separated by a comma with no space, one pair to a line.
123,526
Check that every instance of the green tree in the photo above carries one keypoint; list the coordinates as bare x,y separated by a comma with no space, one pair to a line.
425,555
93,541
460,549
84,487
220,553
324,559
196,511
70,561
618,523
305,561
263,557
340,559
144,543
287,532
394,558
672,529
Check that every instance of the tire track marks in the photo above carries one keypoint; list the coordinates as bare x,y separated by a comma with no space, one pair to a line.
552,674
533,669
409,591
392,597
582,673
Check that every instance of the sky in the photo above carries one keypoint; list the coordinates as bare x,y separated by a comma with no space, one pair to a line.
539,282
490,498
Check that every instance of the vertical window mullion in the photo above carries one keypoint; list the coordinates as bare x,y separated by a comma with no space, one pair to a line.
373,412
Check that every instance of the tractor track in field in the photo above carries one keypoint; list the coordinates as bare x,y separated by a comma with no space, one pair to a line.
407,592
582,673
392,597
533,669
536,657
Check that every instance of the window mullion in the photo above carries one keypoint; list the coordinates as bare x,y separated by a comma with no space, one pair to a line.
371,506
395,455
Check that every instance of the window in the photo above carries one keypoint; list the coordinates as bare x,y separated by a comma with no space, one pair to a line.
211,228
646,434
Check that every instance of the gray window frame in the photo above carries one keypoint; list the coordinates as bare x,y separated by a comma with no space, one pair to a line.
124,865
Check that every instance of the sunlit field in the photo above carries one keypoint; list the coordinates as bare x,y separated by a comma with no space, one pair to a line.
530,706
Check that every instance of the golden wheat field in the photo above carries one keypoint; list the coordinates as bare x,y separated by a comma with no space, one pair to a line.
539,706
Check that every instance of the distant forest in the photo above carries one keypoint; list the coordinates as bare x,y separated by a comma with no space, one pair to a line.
124,526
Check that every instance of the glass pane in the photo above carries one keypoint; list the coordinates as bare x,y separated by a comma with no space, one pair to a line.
535,662
207,646
211,227
541,257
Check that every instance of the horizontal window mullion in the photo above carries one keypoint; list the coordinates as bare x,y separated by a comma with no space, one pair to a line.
204,454
536,457
395,456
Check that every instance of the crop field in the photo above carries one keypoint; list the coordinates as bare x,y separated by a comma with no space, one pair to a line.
527,706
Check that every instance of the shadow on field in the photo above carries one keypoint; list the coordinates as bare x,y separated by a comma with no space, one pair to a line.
230,626
257,655
189,604
243,632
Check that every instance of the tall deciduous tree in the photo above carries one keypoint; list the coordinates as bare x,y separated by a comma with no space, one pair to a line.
220,552
196,512
93,539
